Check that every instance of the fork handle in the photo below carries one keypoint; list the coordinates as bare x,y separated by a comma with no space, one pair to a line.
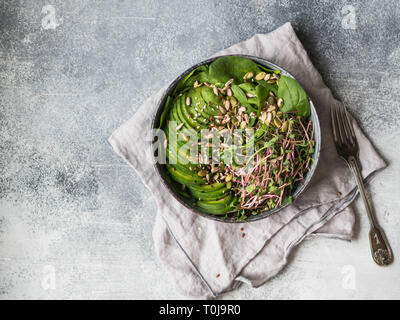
380,248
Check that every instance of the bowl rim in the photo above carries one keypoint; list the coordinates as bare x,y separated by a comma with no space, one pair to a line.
298,191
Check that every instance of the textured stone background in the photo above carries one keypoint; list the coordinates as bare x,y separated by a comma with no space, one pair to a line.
76,221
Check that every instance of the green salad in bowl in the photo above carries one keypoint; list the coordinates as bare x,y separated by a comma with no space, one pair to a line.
240,138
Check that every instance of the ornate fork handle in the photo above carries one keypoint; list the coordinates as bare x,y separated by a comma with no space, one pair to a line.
380,249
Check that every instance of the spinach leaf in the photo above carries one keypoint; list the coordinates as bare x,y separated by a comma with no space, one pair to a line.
183,82
294,97
240,95
200,77
208,96
262,95
269,86
225,68
248,87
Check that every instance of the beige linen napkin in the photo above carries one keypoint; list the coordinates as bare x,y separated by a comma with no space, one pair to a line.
206,258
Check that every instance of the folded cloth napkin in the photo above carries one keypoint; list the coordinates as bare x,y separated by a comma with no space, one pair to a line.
207,258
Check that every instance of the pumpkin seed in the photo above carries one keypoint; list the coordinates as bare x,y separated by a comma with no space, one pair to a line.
285,126
280,102
248,75
271,100
233,101
260,76
243,125
279,113
229,184
228,177
277,122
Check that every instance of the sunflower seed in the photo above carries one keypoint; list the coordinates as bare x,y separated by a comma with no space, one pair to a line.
224,145
188,101
201,173
267,76
227,104
280,102
179,126
250,95
222,109
228,82
215,90
229,92
269,118
242,109
271,108
226,119
185,137
197,84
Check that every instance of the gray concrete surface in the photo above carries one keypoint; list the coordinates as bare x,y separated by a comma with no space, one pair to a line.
76,221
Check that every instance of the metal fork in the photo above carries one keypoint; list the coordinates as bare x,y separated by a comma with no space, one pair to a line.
347,148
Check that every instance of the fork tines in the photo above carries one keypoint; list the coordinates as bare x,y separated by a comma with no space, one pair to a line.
343,131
